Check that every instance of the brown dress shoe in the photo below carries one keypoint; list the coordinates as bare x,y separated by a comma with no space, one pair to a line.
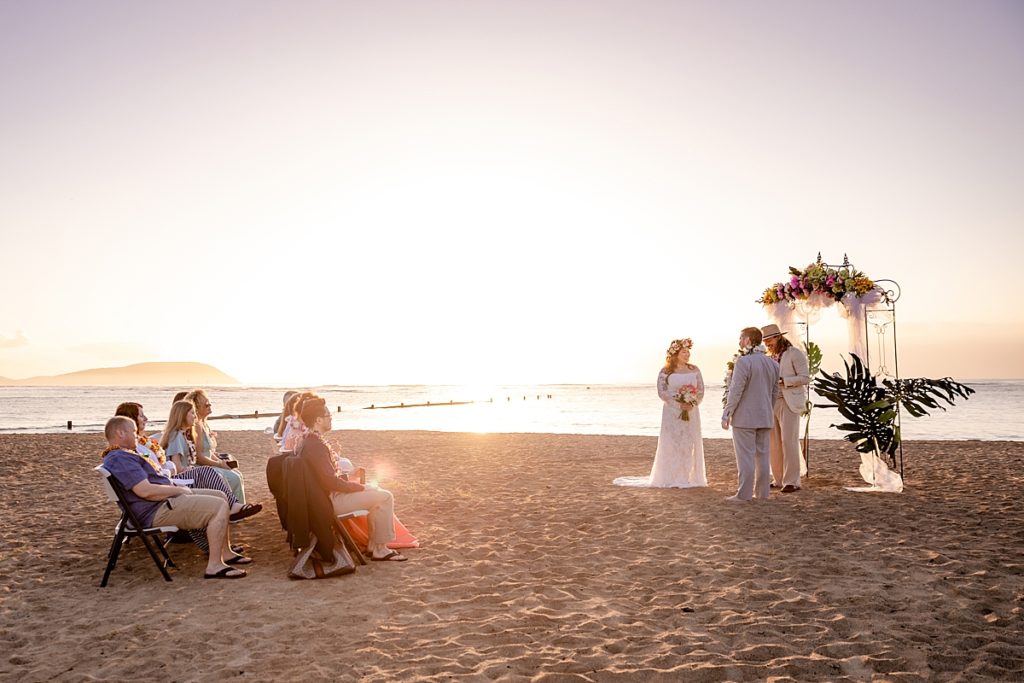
789,488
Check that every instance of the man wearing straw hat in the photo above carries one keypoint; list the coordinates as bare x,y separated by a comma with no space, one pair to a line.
790,404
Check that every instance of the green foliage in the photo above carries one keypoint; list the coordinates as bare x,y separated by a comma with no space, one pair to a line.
871,407
813,365
813,358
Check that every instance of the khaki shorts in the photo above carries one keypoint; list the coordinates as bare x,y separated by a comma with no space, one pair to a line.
190,511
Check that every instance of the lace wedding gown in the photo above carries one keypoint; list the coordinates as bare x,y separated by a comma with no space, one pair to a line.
679,460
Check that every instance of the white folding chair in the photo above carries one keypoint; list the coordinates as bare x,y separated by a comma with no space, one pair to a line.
129,526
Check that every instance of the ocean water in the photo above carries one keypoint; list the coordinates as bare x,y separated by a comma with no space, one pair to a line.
995,412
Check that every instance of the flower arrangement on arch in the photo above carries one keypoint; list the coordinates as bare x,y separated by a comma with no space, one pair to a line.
818,279
686,396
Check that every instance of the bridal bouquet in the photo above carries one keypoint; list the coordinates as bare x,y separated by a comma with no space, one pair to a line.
686,396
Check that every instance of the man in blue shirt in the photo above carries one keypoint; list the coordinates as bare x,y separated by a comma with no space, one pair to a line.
158,502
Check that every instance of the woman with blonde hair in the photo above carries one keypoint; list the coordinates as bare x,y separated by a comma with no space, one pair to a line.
206,443
202,477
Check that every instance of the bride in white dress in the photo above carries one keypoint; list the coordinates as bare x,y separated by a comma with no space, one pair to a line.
679,460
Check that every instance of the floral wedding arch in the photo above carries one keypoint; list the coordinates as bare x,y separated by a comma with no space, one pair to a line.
871,405
819,286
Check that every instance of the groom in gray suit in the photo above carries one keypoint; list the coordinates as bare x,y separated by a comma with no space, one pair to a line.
749,412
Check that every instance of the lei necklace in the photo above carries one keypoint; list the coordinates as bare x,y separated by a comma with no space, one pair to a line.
731,365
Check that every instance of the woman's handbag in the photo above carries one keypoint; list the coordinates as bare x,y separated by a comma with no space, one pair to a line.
308,564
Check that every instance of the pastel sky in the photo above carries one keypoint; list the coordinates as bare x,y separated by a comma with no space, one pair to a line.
531,191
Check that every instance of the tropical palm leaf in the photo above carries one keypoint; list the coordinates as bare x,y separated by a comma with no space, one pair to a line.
872,408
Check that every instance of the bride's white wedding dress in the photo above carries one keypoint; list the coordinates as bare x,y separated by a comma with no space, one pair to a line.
679,460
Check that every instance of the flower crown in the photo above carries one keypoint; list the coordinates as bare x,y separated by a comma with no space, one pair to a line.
680,344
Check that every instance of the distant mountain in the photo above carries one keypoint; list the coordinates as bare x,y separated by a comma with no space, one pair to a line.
138,375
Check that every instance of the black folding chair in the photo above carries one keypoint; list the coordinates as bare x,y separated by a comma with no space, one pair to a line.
129,526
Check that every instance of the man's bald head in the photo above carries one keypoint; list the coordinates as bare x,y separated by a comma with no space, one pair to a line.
120,431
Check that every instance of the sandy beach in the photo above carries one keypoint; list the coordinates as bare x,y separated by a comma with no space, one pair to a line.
534,567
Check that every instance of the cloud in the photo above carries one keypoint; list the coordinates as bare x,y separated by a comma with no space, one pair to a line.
18,340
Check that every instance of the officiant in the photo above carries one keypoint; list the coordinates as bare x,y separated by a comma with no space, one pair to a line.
790,404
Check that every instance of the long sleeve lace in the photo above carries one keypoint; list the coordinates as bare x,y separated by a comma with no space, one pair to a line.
700,387
664,393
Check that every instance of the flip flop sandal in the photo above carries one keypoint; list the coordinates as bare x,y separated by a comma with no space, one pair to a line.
238,549
393,556
248,510
226,573
239,559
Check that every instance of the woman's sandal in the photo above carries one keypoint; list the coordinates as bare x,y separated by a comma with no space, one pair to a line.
228,573
247,510
393,556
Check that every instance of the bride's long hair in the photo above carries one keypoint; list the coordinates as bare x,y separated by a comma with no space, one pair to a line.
671,356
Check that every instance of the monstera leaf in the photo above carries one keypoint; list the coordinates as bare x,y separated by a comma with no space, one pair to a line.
813,358
870,407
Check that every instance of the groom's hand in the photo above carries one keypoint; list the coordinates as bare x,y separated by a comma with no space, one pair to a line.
725,423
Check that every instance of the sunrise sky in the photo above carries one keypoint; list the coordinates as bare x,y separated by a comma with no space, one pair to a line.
451,192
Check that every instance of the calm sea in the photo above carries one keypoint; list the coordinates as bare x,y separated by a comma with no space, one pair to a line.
995,412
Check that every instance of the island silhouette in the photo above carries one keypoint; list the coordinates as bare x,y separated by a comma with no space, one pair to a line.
139,374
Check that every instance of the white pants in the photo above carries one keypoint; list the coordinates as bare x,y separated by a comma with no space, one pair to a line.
785,446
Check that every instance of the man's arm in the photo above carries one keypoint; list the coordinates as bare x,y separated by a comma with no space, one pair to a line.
150,491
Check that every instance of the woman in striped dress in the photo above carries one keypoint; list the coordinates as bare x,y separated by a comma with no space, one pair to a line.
178,443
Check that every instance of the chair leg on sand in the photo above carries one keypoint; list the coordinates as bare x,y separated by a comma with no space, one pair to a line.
350,543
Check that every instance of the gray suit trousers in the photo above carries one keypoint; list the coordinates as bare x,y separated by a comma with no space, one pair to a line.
752,462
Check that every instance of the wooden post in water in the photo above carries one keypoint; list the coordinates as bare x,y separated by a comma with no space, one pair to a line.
69,425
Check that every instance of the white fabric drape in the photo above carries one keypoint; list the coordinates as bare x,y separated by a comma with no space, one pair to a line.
876,472
855,310
784,315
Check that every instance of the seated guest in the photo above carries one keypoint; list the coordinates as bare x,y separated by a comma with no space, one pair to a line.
205,441
296,429
157,502
279,422
202,477
148,446
294,423
347,496
288,415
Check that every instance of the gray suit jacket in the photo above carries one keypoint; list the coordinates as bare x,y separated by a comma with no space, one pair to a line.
752,392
